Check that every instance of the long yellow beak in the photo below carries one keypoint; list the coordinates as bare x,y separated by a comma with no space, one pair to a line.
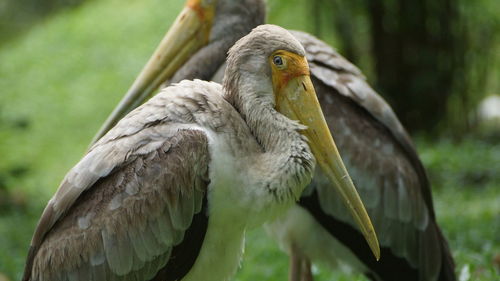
297,100
187,35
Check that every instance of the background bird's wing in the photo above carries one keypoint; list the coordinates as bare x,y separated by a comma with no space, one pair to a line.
133,205
335,71
385,168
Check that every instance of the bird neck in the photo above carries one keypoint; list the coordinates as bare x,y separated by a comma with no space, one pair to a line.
237,18
284,147
273,131
255,103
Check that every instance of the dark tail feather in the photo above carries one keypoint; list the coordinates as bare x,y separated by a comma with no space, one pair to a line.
447,265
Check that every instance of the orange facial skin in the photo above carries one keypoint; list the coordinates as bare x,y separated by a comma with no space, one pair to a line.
293,66
204,13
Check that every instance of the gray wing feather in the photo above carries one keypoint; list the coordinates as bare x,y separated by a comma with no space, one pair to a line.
132,229
119,212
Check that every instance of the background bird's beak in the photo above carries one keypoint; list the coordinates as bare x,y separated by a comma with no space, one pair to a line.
297,100
187,35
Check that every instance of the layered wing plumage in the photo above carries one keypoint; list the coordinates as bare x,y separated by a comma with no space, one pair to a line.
135,204
385,168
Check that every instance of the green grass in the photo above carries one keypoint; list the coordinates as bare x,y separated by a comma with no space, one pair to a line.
59,81
466,183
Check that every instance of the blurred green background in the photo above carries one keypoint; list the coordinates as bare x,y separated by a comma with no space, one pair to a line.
64,64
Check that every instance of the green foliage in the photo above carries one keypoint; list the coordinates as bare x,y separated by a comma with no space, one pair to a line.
17,16
60,81
480,63
447,167
467,199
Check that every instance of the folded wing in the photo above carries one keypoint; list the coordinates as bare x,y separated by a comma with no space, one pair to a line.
134,206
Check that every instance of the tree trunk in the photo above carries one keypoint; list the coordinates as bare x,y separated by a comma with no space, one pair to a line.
414,57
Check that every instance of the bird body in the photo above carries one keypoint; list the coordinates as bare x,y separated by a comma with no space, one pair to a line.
168,192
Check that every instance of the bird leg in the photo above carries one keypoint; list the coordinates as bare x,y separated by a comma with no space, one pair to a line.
294,273
306,274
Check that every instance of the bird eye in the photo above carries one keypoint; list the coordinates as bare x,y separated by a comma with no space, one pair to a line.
277,60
